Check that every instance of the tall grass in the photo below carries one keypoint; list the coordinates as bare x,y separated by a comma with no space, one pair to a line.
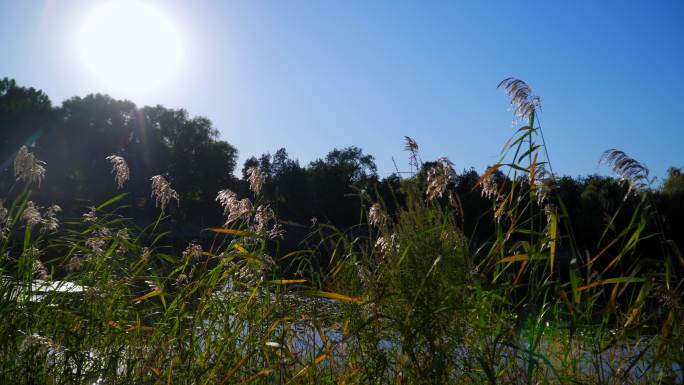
404,298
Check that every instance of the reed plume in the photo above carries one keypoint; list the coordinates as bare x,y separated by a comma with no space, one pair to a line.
28,167
120,170
162,191
438,178
523,102
376,216
193,251
233,208
627,168
31,214
411,146
256,179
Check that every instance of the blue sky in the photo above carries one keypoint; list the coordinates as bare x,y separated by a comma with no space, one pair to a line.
314,75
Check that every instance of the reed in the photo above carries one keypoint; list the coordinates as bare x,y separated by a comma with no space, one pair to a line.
405,297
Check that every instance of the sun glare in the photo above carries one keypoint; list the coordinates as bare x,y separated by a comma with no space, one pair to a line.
129,46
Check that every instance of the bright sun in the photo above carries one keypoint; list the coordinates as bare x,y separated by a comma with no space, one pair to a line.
129,45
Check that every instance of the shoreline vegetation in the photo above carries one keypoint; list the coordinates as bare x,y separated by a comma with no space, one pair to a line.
415,291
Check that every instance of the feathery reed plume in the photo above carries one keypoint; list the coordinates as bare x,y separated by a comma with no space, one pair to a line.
193,251
628,169
40,348
544,183
98,241
233,208
90,216
381,245
227,199
35,342
256,179
384,244
31,214
411,146
50,222
276,231
490,189
376,216
262,217
39,270
523,102
244,207
120,170
27,167
123,234
438,178
264,214
162,191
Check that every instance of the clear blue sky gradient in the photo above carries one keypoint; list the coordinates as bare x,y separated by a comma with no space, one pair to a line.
314,75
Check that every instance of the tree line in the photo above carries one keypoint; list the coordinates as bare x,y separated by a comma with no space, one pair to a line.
75,138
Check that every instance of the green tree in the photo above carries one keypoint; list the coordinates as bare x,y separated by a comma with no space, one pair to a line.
674,183
25,115
335,180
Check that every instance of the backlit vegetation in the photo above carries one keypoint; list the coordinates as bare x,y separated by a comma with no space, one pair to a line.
406,296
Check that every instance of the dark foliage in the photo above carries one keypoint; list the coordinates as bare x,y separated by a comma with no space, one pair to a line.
75,138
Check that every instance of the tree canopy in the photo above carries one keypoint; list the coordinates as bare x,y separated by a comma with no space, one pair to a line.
76,137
